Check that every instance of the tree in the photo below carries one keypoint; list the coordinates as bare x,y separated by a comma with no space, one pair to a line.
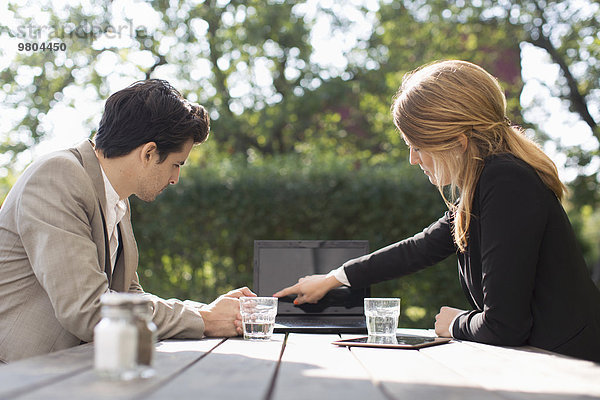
568,32
249,62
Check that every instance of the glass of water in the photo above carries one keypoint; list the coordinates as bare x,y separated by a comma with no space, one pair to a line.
258,317
382,316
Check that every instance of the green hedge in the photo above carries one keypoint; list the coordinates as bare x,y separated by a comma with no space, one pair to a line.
196,239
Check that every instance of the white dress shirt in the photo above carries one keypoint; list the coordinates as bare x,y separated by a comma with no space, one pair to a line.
340,275
115,210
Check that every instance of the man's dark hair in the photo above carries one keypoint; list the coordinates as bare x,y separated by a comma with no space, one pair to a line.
150,111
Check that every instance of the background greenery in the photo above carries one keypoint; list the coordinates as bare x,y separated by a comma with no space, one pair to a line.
299,148
216,212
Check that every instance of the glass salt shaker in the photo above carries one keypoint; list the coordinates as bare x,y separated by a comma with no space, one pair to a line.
146,330
116,338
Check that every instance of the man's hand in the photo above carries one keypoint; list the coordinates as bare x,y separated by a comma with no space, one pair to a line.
443,320
310,289
222,317
241,292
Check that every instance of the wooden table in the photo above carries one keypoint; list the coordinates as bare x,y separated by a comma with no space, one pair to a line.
309,367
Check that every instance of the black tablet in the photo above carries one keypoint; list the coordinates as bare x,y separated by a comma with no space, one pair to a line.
394,342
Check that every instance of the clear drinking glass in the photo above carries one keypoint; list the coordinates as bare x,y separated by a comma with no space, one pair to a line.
258,317
382,316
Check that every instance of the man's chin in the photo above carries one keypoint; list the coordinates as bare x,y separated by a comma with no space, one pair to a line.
149,197
145,198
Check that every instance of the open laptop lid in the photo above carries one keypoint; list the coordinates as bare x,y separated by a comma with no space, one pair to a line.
280,263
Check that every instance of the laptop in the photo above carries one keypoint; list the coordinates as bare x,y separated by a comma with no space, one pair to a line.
280,263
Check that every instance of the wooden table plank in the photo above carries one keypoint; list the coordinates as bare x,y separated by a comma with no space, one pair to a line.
171,358
406,373
22,376
238,368
552,372
417,332
518,373
409,374
312,368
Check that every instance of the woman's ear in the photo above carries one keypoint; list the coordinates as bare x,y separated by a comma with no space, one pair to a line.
463,142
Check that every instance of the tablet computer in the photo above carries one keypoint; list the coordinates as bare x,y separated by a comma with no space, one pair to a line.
393,342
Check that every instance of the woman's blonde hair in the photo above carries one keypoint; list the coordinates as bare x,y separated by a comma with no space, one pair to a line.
440,105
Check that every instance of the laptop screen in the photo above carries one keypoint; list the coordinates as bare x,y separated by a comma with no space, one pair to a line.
280,263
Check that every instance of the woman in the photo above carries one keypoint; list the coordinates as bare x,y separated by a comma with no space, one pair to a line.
520,265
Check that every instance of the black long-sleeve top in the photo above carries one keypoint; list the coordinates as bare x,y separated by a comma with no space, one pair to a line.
522,271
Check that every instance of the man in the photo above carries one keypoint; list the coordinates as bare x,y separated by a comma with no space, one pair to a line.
66,235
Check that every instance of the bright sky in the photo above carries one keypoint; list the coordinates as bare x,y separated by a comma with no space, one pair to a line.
68,125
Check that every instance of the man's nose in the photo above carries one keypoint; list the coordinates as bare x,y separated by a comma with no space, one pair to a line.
175,178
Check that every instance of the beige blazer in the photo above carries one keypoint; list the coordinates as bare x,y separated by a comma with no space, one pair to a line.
52,260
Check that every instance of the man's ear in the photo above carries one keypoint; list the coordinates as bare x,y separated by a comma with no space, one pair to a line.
148,153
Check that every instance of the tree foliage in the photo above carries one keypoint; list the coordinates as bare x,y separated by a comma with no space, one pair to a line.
568,32
252,64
